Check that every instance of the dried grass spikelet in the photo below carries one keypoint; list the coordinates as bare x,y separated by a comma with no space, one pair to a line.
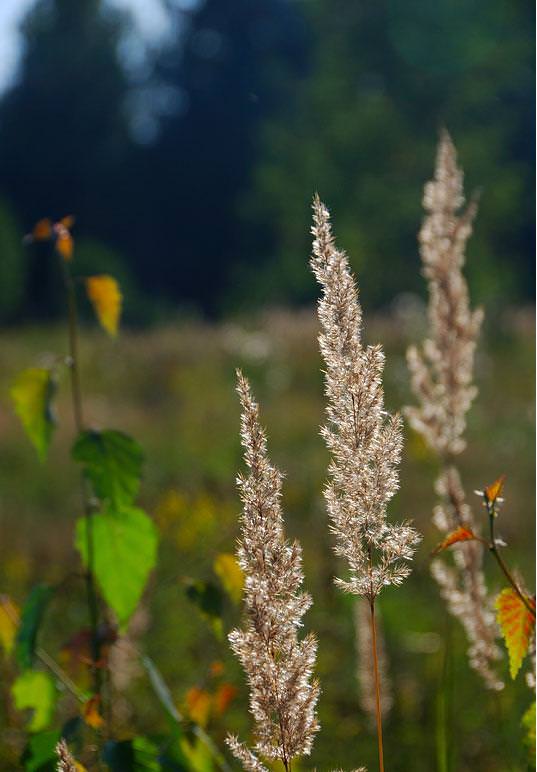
462,584
364,665
442,380
442,372
365,442
66,762
277,664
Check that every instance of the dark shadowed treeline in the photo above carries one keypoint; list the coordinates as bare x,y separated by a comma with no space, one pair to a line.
190,166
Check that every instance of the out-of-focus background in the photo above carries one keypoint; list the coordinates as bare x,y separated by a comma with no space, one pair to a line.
187,138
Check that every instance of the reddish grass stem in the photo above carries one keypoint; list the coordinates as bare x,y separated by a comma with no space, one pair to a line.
377,685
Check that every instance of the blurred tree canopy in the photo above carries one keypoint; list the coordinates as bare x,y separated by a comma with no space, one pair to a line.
198,166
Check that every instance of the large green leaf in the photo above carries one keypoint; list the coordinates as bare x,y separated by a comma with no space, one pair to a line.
112,462
136,755
35,689
32,615
40,752
32,394
124,550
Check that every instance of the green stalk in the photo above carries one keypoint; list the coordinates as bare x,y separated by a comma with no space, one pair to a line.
76,396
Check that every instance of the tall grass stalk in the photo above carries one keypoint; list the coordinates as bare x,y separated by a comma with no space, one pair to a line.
365,442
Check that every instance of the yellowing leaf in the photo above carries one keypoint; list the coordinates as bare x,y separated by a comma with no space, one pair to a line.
9,622
230,574
199,705
64,243
42,230
222,698
516,623
91,714
493,491
459,534
35,689
105,296
32,395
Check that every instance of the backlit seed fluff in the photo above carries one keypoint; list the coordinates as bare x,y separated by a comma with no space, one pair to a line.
66,762
365,442
442,371
442,381
278,665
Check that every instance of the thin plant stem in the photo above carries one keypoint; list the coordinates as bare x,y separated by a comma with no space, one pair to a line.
491,509
377,684
76,396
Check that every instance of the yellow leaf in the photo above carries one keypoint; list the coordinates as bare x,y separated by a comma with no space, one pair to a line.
493,491
9,622
90,712
105,296
199,705
230,574
32,395
516,623
459,534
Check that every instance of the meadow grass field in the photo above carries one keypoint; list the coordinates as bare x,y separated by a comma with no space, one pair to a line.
172,388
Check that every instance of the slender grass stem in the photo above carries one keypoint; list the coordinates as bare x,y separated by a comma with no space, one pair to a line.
378,711
506,572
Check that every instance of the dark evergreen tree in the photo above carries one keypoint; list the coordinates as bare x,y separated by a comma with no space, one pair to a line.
63,130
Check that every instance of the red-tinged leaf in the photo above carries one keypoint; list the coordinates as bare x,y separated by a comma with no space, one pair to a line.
90,712
67,222
462,533
222,698
493,491
517,624
42,230
64,243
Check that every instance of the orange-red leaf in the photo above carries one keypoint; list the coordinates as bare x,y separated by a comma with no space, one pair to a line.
516,623
106,298
42,230
91,714
199,705
222,698
462,533
493,491
64,243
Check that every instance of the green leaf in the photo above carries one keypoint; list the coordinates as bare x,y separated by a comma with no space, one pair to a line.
124,552
35,689
136,755
32,394
40,752
528,724
209,600
31,618
112,462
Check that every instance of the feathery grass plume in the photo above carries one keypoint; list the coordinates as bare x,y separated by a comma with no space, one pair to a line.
442,373
442,380
365,442
277,664
66,762
364,664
